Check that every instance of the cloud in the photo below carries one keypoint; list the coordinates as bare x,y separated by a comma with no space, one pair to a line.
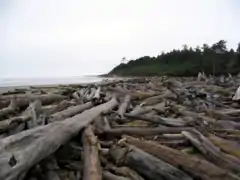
69,38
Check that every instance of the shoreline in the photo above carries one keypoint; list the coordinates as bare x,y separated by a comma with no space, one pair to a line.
96,79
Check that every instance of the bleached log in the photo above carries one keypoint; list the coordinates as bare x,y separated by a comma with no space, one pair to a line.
92,168
145,164
158,120
144,131
70,111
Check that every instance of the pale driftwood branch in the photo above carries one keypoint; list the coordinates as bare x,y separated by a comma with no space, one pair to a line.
20,152
123,107
70,111
97,94
34,110
56,108
92,168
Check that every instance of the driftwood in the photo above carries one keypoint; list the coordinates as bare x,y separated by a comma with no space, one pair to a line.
97,94
144,131
41,142
8,110
24,100
158,120
199,168
92,168
145,164
125,171
70,111
141,110
109,176
183,129
227,146
211,152
123,107
56,108
12,123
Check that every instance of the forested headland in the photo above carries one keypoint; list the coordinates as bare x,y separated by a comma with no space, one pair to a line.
212,59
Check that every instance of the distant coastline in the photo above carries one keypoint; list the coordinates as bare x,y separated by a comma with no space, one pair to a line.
8,84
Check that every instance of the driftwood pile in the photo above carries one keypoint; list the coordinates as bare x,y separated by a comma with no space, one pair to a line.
135,129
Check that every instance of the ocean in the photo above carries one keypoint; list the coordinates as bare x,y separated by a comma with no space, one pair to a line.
10,82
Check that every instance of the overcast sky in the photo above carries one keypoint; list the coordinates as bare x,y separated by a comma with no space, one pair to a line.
55,38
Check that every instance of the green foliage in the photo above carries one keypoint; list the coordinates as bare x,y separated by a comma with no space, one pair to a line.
215,59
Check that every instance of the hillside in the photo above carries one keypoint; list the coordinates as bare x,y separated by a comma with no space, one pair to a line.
215,59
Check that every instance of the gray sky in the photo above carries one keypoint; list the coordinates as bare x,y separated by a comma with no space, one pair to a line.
55,38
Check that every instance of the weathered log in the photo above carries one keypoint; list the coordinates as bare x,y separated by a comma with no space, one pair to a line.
230,147
12,123
34,110
123,107
92,168
152,100
227,124
24,100
144,131
8,110
158,120
42,141
197,167
141,110
211,152
101,124
109,176
70,111
56,108
145,164
125,171
97,94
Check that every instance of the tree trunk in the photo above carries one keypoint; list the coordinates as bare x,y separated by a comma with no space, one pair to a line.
145,164
211,152
227,146
70,111
199,168
109,176
145,131
92,168
21,151
158,120
125,171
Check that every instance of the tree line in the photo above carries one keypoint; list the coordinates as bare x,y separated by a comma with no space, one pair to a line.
215,59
